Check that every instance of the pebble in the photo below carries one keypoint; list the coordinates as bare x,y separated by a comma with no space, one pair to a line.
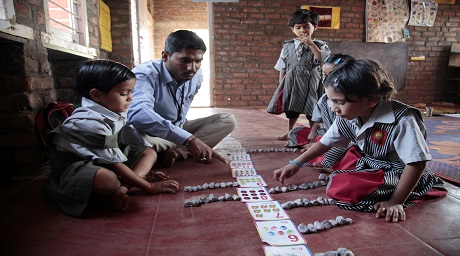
340,252
211,185
294,187
327,224
210,199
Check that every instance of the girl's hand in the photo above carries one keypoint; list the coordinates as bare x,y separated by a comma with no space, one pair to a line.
306,147
306,39
321,168
285,172
312,136
392,212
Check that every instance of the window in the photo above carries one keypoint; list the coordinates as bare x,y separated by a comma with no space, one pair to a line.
8,24
67,20
67,27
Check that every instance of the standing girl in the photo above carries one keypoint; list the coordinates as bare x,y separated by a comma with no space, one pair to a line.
322,116
300,70
95,153
392,172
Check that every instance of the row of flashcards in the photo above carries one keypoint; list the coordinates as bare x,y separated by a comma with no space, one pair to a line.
273,224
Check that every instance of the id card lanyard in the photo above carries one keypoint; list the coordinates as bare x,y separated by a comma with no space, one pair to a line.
176,102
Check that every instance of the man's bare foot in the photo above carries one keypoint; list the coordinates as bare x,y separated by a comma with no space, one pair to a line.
169,157
283,137
118,200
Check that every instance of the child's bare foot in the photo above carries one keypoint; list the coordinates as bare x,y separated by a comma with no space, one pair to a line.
282,137
169,157
118,200
168,186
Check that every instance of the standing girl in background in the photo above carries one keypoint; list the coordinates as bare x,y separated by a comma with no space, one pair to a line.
322,116
392,172
300,70
95,153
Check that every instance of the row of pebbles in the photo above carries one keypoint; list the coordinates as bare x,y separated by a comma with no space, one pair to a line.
294,187
340,252
304,202
264,150
211,185
327,224
210,199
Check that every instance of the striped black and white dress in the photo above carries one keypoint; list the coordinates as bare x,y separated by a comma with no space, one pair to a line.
301,86
393,136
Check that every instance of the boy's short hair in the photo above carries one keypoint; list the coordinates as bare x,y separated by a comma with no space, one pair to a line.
179,40
102,75
303,16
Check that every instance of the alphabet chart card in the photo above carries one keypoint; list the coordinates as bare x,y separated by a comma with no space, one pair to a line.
231,143
267,211
236,151
279,232
243,172
292,250
241,164
251,181
240,157
258,194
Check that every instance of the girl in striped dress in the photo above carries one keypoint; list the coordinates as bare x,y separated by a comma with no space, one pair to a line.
392,173
300,71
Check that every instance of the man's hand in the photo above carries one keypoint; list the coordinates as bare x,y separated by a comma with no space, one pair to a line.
202,153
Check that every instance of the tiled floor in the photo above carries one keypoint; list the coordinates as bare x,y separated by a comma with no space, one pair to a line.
161,225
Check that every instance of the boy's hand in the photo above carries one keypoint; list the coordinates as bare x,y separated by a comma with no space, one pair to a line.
168,186
159,176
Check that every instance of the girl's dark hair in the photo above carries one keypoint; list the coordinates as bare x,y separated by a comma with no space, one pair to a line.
302,16
179,40
337,58
102,75
362,78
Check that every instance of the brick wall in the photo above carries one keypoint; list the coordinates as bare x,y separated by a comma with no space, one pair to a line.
172,15
32,76
122,43
248,37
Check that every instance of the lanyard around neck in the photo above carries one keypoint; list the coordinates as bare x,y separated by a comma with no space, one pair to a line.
178,104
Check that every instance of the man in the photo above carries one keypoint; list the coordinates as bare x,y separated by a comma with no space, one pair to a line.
162,96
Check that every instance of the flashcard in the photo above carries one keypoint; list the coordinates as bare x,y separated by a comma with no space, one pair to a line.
279,232
231,143
291,250
251,181
258,194
241,164
236,151
271,210
243,172
240,157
